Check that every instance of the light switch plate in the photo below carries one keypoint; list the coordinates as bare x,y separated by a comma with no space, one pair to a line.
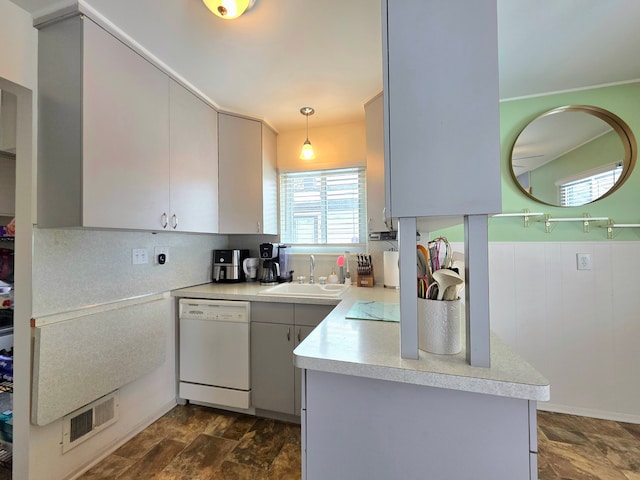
584,261
139,256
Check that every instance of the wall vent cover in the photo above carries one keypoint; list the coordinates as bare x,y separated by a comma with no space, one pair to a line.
87,421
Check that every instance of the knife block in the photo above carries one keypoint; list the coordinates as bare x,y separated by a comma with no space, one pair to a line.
366,279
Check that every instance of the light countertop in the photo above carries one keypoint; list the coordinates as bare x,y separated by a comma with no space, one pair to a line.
371,349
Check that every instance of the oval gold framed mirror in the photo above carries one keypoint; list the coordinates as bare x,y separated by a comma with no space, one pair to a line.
573,155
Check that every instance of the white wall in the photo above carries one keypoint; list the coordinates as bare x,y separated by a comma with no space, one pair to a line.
579,328
75,267
336,146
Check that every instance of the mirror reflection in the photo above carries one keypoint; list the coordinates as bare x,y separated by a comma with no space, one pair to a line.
573,155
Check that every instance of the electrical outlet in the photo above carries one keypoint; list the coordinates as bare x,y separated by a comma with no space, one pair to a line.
584,261
139,256
161,251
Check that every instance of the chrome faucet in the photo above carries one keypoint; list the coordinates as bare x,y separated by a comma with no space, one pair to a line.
312,268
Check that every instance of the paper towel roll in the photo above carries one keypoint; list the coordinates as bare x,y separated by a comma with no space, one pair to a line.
391,270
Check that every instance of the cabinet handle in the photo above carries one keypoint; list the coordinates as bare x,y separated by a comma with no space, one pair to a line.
258,225
299,335
165,220
289,334
174,221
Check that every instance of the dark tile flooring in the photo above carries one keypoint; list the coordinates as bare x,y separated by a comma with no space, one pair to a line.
584,448
192,442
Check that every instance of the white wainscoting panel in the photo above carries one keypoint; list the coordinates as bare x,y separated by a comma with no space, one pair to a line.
580,328
625,268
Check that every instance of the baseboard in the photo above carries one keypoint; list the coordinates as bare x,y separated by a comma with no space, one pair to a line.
112,447
587,412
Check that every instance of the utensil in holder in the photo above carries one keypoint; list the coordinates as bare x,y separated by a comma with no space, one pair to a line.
366,279
440,326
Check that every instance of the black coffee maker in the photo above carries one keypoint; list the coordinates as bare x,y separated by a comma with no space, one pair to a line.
270,265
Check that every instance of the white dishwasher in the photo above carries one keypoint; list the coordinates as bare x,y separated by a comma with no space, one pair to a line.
214,352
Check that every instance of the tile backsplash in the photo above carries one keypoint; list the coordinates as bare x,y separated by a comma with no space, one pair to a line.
73,268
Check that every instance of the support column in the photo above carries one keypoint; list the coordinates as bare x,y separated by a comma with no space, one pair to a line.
408,296
476,256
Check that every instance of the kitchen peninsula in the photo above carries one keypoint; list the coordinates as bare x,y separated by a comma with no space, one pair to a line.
377,415
368,413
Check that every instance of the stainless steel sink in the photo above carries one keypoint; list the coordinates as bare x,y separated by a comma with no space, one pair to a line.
305,290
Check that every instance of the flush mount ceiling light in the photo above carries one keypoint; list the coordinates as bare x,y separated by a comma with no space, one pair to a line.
307,152
229,9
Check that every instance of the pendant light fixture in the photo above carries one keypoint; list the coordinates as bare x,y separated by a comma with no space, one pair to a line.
229,9
307,152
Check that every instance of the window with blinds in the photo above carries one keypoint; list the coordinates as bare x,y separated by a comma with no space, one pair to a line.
579,192
323,207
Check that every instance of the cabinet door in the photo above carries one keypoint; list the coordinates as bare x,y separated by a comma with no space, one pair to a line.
269,182
240,174
194,163
272,370
125,135
301,333
375,165
441,107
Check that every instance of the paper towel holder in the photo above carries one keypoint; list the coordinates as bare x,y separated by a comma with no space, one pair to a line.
391,270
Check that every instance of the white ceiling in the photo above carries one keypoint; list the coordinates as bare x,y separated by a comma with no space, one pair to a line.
285,54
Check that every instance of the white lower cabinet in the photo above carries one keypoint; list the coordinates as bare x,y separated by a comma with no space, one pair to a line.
356,427
276,329
272,370
301,333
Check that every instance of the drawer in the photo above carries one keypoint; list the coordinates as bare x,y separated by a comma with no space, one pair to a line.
271,312
311,315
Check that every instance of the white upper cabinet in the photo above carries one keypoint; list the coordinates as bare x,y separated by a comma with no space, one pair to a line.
125,135
194,163
120,144
247,176
375,166
441,108
269,181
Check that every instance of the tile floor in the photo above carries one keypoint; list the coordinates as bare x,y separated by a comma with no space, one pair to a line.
192,442
198,443
583,448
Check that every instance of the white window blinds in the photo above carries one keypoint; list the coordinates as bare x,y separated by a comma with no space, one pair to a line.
323,207
587,189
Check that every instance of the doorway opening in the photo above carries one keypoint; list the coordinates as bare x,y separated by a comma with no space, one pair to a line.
16,233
